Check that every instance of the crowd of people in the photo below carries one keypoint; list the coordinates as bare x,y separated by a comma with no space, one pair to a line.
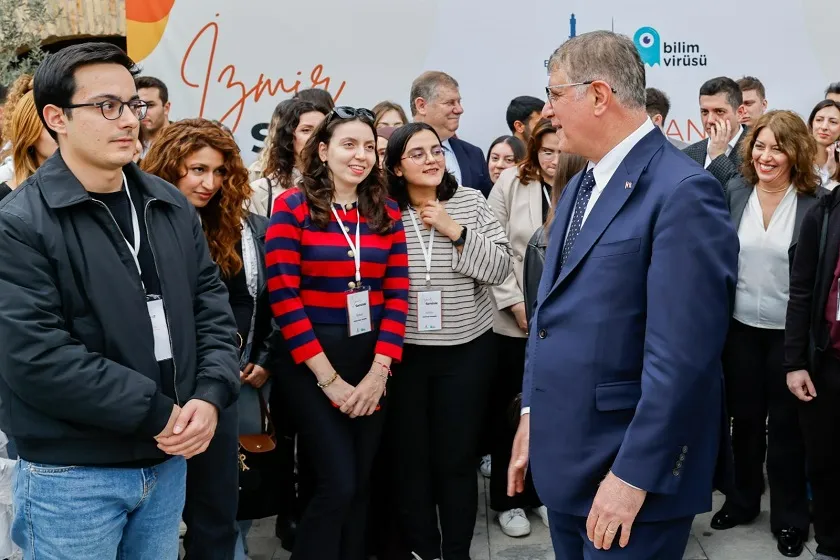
342,333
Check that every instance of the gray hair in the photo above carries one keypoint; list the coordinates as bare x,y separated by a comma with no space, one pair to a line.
426,86
607,56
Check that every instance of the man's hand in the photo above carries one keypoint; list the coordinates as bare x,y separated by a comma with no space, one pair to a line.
799,383
518,310
169,429
254,375
719,139
519,457
193,430
615,507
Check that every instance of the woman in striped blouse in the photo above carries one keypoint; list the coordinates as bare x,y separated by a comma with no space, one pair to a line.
338,284
456,248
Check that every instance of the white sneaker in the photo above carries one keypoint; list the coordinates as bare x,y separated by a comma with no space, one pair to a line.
542,511
182,529
485,467
515,523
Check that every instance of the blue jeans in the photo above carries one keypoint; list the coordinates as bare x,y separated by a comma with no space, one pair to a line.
241,550
92,513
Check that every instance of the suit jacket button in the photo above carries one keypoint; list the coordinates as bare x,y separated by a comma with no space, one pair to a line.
679,464
685,449
676,472
682,457
542,334
519,258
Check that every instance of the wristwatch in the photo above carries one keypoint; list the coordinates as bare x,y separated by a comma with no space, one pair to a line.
462,239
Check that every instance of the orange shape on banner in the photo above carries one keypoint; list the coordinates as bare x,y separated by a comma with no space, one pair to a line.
147,11
145,22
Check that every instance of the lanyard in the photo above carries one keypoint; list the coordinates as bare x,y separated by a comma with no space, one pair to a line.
547,196
355,249
427,255
135,228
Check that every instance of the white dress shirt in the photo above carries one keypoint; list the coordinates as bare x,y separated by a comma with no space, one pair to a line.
729,147
603,172
761,296
451,161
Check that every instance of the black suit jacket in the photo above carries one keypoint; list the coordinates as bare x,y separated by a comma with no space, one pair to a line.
473,166
723,167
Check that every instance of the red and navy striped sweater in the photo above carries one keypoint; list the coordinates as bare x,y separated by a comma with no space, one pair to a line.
309,271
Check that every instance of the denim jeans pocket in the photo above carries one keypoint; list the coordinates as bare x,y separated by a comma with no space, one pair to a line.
43,468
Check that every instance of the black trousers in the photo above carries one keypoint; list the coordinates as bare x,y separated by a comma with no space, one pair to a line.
340,449
507,384
755,387
438,398
820,420
213,494
296,480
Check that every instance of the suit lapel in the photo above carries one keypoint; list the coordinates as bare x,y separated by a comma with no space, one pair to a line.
621,186
535,202
739,204
557,234
463,162
804,203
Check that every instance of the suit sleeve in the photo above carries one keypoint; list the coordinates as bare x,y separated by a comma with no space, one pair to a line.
803,279
43,364
509,292
723,169
690,285
217,377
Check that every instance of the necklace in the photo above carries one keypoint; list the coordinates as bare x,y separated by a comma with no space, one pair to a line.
783,189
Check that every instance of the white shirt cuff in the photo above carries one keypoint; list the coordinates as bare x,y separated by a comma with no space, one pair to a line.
628,484
524,411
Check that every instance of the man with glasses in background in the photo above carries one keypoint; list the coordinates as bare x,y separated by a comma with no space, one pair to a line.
116,338
623,390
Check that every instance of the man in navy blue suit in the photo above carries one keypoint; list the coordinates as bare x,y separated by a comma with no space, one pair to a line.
436,101
623,390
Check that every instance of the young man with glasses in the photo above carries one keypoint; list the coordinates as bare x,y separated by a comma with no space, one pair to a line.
116,341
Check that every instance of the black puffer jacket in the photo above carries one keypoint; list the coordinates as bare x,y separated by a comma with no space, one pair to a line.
77,364
534,263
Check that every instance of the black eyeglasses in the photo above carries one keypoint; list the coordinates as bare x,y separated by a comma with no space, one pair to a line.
353,113
112,109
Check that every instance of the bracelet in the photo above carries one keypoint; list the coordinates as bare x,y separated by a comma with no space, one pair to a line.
329,382
387,369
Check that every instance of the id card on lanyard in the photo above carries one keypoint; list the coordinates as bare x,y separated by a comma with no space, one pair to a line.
154,303
429,300
358,296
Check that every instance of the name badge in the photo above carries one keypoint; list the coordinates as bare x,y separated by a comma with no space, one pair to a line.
163,348
429,311
358,312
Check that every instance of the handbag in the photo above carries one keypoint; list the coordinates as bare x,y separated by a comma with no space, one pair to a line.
259,460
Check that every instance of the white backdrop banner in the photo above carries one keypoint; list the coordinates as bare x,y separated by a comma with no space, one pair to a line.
235,60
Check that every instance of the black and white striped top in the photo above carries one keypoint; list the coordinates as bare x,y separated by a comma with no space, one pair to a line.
462,277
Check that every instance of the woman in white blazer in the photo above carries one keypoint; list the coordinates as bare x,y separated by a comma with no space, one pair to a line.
521,198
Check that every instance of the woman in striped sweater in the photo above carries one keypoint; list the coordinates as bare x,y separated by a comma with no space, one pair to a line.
338,284
456,248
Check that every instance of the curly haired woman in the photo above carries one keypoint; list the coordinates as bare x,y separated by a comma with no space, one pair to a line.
203,161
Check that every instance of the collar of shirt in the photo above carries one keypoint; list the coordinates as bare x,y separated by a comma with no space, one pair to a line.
608,165
735,139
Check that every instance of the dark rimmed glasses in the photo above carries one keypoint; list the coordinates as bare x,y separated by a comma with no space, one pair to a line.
112,109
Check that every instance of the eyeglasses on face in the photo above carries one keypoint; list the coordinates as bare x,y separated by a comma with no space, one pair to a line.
419,156
112,109
552,97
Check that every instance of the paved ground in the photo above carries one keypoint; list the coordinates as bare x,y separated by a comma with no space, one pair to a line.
751,542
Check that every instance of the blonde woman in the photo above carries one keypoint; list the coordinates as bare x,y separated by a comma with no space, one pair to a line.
31,143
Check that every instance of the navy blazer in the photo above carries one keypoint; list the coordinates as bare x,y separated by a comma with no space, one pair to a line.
473,166
623,369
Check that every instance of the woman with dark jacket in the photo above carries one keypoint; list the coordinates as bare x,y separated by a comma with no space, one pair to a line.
203,162
568,165
779,185
812,362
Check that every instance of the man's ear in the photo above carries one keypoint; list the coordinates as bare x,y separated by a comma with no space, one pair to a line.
56,119
420,106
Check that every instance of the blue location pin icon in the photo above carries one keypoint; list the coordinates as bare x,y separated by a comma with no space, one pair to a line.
647,43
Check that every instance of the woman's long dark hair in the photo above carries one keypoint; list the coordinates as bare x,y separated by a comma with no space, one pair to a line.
318,186
281,158
397,186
